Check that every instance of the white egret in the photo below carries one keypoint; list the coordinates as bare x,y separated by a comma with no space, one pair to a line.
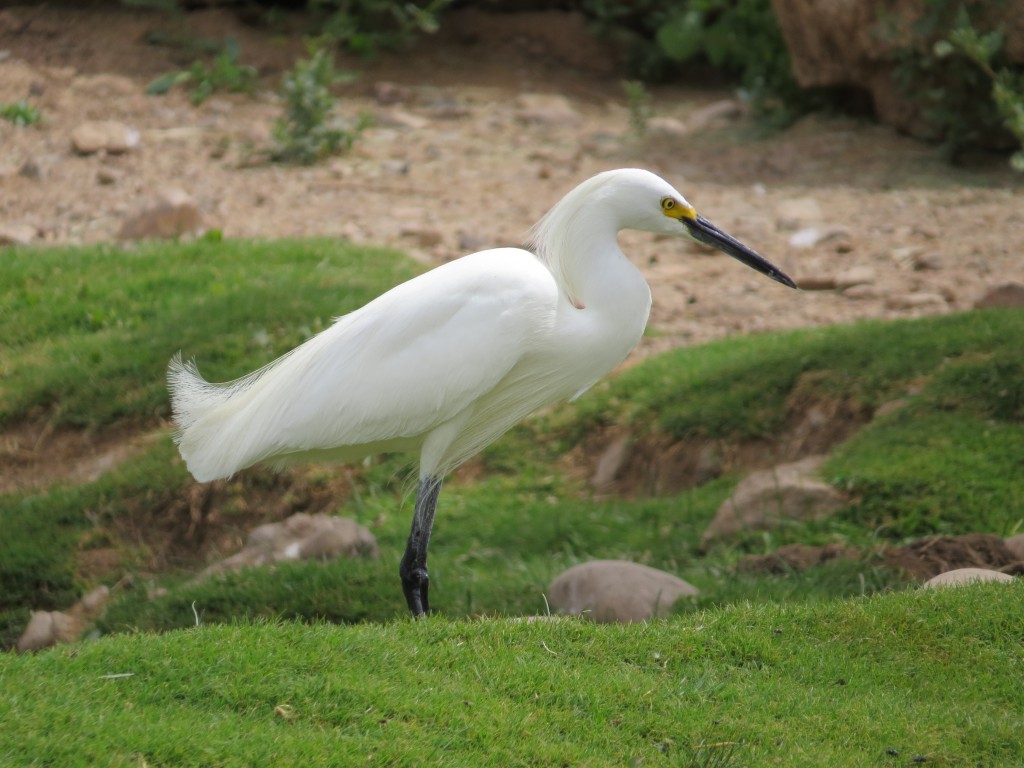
444,364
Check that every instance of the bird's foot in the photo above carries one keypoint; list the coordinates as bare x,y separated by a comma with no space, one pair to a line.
415,583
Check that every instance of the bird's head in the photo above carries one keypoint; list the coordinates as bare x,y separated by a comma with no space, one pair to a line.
648,202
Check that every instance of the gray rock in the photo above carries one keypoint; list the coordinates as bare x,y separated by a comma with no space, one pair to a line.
611,463
106,175
611,591
812,237
667,126
301,537
965,576
797,212
1016,546
848,278
17,234
918,300
172,213
107,136
722,111
46,629
545,109
1002,295
36,168
765,498
816,282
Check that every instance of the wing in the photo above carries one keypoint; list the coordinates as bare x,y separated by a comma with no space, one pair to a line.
382,376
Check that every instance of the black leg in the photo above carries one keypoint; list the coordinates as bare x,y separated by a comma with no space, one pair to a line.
413,568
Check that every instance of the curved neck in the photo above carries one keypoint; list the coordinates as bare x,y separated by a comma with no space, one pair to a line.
579,245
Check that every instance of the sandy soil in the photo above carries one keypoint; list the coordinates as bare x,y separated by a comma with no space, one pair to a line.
462,156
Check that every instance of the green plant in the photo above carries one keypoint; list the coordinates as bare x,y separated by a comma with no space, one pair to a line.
224,73
20,113
306,133
366,26
638,101
946,62
983,50
740,38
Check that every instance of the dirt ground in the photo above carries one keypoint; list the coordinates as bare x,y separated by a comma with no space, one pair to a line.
458,161
466,152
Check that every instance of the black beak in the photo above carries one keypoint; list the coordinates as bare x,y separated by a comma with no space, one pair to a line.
705,232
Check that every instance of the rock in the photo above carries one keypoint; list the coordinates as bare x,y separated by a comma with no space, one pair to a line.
1002,295
765,498
106,175
811,237
399,118
337,537
853,44
172,213
966,576
107,136
805,238
471,241
384,92
863,291
716,112
301,537
611,463
36,169
94,602
917,300
855,276
46,629
1015,544
667,126
610,591
926,262
546,109
816,282
797,212
424,236
17,234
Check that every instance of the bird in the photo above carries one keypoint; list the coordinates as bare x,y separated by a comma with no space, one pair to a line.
442,365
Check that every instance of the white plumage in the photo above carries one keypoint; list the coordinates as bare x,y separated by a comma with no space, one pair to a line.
445,363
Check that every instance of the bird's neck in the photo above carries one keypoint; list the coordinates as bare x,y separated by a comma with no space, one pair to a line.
589,266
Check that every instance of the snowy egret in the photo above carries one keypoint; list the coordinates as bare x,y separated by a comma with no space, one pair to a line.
444,364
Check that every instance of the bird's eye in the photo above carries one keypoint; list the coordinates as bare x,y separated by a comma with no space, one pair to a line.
667,203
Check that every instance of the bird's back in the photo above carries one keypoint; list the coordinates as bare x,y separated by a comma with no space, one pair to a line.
380,378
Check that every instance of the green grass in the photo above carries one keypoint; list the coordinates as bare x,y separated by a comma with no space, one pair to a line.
892,680
838,665
949,461
88,331
738,388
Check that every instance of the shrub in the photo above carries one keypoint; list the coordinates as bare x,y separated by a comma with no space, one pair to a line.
366,26
223,74
306,133
952,63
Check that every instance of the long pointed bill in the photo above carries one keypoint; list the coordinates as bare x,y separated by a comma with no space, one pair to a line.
705,232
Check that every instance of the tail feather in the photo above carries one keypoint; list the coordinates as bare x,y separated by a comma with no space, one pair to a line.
202,427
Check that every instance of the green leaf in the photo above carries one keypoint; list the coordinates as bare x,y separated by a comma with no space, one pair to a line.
680,38
164,83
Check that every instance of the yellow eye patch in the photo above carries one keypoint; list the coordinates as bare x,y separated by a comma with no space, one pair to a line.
676,209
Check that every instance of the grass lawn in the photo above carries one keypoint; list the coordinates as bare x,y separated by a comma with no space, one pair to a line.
928,677
317,664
